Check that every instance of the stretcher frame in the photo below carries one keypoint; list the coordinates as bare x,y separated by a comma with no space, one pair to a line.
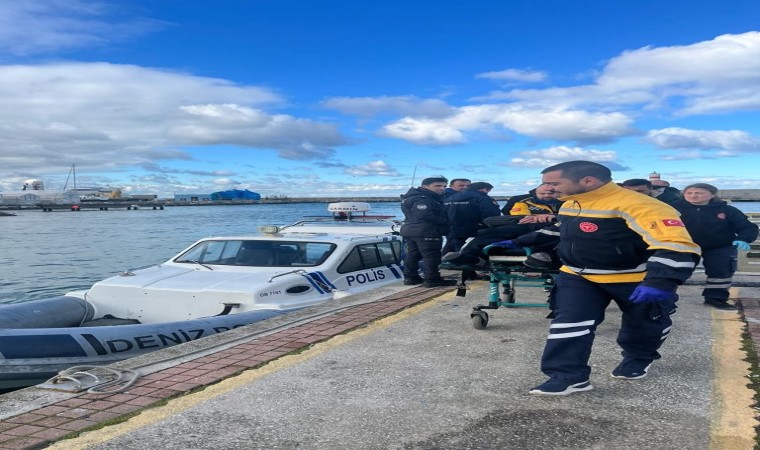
506,273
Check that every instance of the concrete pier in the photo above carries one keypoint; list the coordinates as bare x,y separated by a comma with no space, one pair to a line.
404,368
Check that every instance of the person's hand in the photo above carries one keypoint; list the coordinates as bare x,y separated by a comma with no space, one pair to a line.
505,244
538,218
741,245
646,294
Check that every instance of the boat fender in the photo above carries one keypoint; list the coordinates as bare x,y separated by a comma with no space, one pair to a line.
61,311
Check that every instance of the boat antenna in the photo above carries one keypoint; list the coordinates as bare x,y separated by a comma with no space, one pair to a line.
73,171
414,174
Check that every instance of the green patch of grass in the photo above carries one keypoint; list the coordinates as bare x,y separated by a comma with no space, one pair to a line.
754,372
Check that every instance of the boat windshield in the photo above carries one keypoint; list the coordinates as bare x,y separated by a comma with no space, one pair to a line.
258,253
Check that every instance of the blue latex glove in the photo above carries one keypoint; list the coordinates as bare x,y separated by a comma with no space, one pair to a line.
741,245
646,294
505,244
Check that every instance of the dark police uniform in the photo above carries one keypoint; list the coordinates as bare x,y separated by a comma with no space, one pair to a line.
466,211
714,227
425,224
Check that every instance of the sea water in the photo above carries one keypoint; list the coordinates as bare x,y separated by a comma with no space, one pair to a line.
44,254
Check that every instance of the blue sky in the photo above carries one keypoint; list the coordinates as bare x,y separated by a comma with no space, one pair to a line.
346,98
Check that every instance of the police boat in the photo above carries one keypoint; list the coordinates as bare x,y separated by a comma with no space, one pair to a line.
215,285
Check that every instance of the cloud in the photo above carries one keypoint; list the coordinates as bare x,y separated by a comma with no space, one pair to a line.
294,138
555,155
708,77
373,168
530,76
102,115
557,124
728,143
424,131
150,167
713,76
400,106
33,27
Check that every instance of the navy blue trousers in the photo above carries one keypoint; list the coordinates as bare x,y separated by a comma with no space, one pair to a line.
720,265
579,307
426,249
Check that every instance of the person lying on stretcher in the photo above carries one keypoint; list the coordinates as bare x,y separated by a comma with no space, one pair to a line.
541,238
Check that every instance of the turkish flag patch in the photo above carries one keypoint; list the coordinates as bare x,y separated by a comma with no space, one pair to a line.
672,222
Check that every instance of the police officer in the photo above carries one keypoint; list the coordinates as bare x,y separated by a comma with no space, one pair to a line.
456,185
719,229
425,224
618,245
466,211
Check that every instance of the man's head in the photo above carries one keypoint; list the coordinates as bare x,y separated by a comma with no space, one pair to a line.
545,192
639,185
459,184
435,184
575,177
660,183
481,186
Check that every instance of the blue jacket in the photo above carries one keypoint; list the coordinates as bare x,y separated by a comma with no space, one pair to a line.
716,224
466,211
424,214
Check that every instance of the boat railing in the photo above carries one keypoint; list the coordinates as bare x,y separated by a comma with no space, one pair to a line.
301,271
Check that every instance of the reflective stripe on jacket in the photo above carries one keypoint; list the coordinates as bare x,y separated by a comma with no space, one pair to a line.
614,235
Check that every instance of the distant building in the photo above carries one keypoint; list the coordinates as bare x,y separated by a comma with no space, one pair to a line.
143,197
192,198
235,194
37,197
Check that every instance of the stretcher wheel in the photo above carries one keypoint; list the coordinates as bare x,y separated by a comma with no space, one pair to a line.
479,320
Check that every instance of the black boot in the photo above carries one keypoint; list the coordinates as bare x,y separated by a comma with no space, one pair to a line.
719,304
412,280
438,282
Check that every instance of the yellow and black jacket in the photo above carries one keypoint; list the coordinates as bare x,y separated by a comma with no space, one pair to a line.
529,206
614,235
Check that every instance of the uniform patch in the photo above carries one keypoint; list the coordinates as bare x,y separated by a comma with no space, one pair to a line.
672,222
722,216
421,206
588,227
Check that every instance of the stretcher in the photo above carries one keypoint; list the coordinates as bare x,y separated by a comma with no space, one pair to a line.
506,271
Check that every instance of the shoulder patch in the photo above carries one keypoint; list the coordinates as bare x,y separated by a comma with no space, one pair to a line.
421,206
672,222
588,227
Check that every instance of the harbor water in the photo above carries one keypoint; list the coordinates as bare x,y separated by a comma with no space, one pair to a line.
43,254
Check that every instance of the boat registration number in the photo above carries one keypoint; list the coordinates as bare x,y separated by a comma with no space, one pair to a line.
267,294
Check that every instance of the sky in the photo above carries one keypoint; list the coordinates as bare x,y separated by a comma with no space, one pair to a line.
347,98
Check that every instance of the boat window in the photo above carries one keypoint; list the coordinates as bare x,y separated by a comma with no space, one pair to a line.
352,263
390,252
258,253
369,256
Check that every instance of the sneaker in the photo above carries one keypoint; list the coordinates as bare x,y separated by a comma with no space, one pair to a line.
440,282
718,304
458,259
539,261
632,369
450,255
553,386
411,281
